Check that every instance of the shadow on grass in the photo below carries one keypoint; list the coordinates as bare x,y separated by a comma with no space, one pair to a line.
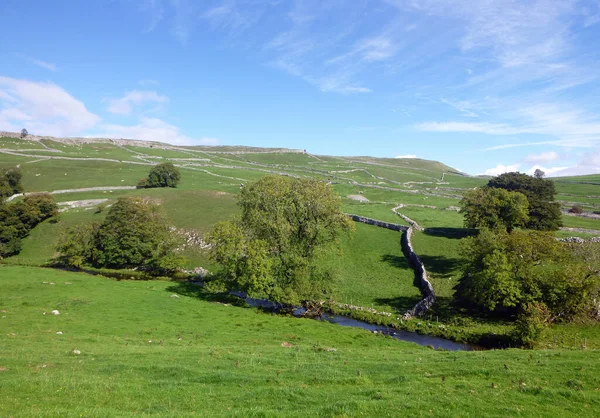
196,290
439,264
452,233
400,303
398,261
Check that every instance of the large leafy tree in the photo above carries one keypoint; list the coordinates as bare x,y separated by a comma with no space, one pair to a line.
507,272
162,175
272,250
134,234
544,212
493,208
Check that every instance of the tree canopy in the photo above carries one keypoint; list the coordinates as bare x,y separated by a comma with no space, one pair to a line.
19,218
10,182
544,212
493,208
272,249
161,175
507,272
134,234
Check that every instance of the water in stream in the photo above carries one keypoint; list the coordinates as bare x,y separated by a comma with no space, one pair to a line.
425,340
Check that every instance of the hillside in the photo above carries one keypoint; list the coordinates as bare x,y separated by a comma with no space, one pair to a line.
170,349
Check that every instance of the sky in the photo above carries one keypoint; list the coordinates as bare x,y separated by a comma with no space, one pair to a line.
484,86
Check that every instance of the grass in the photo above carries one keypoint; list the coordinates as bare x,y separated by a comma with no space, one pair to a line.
579,222
434,218
211,359
373,271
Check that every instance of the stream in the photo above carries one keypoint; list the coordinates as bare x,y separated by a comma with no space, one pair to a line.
344,321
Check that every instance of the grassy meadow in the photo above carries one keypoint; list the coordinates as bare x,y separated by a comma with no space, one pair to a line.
164,348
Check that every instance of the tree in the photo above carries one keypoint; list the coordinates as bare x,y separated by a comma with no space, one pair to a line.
544,212
538,174
272,251
161,175
134,234
505,272
10,182
492,208
24,133
18,219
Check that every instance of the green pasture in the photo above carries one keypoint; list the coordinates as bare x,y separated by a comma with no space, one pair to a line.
163,349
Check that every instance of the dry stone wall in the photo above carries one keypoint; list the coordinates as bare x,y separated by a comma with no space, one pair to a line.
421,278
381,224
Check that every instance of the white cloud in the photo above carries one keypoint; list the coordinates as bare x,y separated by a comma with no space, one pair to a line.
500,168
125,105
406,156
152,129
45,107
548,171
485,128
544,157
465,107
40,63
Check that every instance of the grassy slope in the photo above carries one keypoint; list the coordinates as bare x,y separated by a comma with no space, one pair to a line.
373,272
230,361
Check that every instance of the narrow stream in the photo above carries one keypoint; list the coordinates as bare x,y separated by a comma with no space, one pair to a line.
413,337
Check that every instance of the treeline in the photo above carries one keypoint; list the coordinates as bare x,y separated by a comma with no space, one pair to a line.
19,218
515,268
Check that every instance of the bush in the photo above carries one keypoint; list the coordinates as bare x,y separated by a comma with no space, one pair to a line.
10,182
530,324
161,175
18,219
506,272
576,209
134,234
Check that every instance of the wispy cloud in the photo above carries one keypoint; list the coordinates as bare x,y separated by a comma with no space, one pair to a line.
152,129
483,127
136,98
42,108
465,107
40,63
154,11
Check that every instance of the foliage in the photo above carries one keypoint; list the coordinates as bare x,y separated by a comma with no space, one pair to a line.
576,209
24,133
494,208
18,219
505,272
530,324
134,234
271,251
10,182
544,212
161,175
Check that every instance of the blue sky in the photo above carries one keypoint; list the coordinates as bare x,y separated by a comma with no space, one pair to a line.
485,86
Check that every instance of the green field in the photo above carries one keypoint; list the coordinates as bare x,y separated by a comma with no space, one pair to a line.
230,360
144,351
